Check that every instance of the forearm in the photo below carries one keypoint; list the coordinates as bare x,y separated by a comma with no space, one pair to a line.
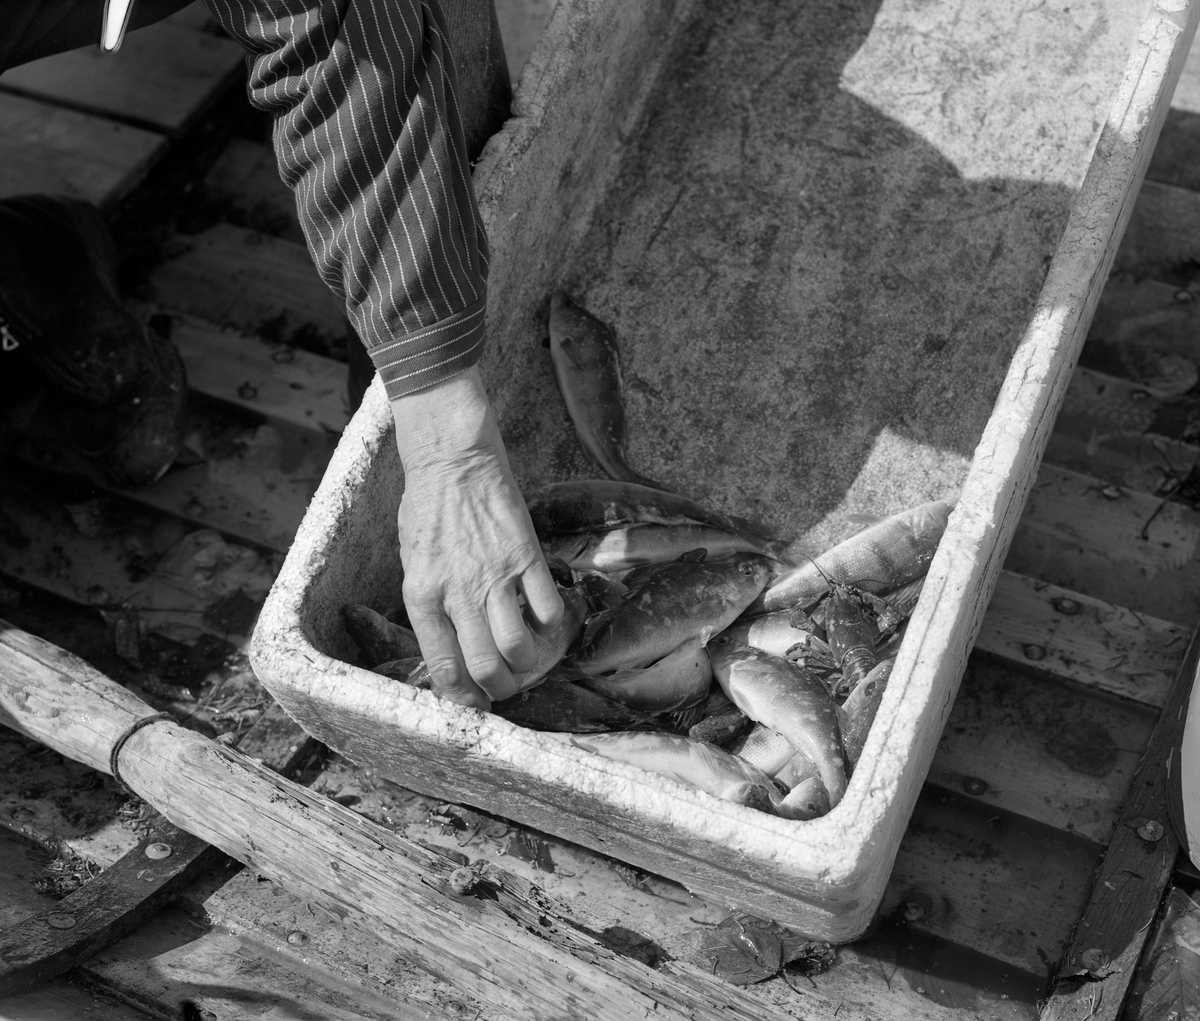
368,134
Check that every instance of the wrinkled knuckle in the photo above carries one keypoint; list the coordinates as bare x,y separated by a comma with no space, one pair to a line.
484,668
420,594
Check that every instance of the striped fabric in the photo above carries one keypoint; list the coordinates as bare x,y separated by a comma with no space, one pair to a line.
369,136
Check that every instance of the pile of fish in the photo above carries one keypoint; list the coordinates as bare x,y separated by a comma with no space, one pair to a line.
693,645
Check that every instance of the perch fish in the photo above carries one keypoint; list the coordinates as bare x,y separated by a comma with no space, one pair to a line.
588,367
882,557
788,699
665,608
689,762
627,547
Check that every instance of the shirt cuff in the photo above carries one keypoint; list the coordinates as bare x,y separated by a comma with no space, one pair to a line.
430,355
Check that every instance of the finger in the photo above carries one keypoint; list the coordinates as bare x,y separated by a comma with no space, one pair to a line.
483,660
447,668
509,632
541,595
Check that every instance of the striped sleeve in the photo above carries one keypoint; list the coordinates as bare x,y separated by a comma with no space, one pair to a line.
368,134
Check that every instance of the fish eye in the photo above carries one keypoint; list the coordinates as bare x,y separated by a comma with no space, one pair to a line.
723,639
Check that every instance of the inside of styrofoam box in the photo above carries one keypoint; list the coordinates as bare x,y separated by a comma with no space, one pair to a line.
816,278
816,281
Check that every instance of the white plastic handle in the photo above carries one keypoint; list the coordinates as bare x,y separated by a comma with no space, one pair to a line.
116,17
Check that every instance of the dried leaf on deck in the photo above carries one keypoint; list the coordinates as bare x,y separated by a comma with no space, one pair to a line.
744,950
1167,984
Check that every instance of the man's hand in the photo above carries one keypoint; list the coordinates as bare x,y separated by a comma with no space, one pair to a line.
467,545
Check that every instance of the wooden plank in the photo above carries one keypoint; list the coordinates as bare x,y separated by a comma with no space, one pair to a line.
1105,647
1141,313
195,16
223,974
132,889
1040,750
107,552
51,149
257,284
275,380
1027,885
1095,973
163,77
1163,236
1126,433
1118,545
248,479
64,999
245,185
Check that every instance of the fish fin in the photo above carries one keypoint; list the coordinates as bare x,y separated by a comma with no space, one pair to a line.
696,556
793,553
560,571
862,521
592,625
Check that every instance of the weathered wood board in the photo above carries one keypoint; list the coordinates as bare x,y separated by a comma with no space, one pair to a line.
1041,627
108,553
253,282
162,78
274,380
766,353
1139,554
52,149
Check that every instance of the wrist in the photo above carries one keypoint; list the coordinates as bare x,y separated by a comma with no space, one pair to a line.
446,423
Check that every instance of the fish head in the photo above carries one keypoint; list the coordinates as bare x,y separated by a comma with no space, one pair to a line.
565,548
754,568
725,651
807,800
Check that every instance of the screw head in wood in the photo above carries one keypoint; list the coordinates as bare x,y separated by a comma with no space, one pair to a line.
1067,607
461,880
1034,652
60,920
158,851
297,938
1151,830
1094,959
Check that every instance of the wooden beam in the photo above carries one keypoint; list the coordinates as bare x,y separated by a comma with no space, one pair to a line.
134,888
1064,634
1096,971
275,380
1124,547
252,282
51,149
164,76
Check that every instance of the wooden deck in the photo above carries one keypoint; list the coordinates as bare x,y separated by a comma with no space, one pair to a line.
1089,623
